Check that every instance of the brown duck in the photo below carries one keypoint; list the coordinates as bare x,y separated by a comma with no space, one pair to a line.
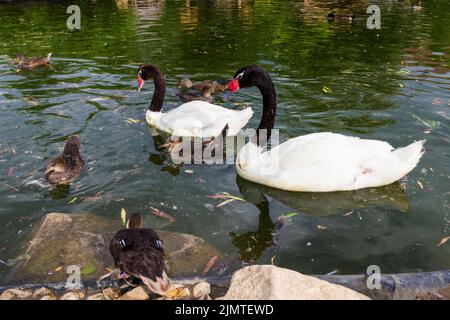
199,91
33,62
63,169
139,252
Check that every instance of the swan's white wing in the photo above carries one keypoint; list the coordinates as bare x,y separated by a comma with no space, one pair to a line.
328,162
199,119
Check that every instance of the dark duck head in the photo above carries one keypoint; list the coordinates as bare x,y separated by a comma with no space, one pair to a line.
139,252
66,167
33,62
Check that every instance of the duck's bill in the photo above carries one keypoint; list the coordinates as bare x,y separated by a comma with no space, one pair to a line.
233,85
140,83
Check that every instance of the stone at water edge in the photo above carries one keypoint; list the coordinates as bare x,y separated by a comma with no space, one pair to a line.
97,296
267,282
201,290
72,296
63,240
137,293
13,294
42,292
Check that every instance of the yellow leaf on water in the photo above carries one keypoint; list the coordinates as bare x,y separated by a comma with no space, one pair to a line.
178,293
189,171
320,227
326,89
443,241
420,184
123,216
59,268
72,201
401,85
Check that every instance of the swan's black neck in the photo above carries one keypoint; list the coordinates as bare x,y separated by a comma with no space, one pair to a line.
160,90
269,95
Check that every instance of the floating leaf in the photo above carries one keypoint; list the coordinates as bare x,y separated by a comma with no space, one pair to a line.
326,89
427,123
320,227
178,293
443,241
189,171
209,264
348,213
224,203
290,215
162,214
400,85
123,216
132,121
12,262
88,269
72,201
59,268
420,184
272,261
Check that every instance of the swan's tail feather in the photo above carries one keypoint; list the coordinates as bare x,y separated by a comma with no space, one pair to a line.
410,155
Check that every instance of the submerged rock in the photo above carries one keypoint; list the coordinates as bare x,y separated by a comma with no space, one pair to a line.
82,240
266,282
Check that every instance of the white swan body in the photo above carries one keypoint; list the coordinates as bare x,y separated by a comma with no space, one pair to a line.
199,119
323,162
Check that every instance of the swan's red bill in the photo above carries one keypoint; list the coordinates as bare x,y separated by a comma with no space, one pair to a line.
233,86
140,83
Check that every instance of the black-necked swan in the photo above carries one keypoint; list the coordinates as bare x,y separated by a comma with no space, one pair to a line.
317,162
192,119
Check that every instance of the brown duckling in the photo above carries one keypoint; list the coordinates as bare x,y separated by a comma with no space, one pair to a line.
333,16
33,62
199,91
139,253
63,169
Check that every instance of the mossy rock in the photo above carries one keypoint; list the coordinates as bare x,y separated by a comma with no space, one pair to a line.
63,240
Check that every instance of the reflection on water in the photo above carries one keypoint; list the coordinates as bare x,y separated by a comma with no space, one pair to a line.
391,84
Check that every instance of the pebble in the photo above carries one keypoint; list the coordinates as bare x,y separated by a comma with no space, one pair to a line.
137,293
72,296
98,296
201,290
12,294
42,292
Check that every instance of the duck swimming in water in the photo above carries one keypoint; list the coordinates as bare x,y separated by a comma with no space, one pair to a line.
199,91
139,252
66,167
31,63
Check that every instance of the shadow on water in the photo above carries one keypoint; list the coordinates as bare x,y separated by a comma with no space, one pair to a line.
328,203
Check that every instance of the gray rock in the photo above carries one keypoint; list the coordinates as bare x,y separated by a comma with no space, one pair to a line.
267,282
83,240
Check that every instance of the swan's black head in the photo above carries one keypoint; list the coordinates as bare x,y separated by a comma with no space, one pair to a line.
249,76
145,72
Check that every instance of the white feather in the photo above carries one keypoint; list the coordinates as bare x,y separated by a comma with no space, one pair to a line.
322,162
199,119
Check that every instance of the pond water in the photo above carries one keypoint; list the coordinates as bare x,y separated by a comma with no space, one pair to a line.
391,84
